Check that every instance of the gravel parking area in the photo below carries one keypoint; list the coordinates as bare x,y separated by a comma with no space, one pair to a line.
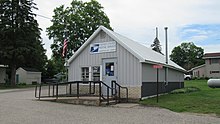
20,107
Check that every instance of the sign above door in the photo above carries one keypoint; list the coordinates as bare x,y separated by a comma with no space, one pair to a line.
103,47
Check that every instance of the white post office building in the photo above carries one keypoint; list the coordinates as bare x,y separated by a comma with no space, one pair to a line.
108,56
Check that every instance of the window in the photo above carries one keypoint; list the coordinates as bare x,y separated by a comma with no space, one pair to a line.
212,72
96,73
85,74
214,61
109,69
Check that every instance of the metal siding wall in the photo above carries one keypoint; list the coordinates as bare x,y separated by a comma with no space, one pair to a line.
149,74
150,88
86,59
129,67
175,76
149,79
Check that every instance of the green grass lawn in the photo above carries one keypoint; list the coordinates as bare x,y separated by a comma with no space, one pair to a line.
206,100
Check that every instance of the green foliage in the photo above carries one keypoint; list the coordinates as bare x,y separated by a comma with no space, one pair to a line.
206,100
187,55
156,45
22,84
185,90
200,78
52,68
77,23
20,41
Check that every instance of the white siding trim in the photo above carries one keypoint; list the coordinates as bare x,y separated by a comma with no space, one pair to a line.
90,73
101,72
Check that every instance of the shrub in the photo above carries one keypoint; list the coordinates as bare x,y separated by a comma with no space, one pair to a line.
194,78
185,90
22,84
206,78
200,78
34,82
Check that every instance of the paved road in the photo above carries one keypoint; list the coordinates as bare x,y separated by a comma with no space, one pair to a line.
20,107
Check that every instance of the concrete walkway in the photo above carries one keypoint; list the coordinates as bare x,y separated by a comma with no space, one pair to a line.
21,107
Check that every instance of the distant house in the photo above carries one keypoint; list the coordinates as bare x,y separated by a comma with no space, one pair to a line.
210,69
3,75
28,75
199,71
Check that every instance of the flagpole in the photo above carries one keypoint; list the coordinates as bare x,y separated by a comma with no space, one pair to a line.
65,54
66,65
65,49
66,61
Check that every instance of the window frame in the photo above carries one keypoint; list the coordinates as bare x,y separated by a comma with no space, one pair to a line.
84,74
96,74
214,61
214,72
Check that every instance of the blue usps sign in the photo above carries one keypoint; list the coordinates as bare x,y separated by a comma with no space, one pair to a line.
94,48
103,47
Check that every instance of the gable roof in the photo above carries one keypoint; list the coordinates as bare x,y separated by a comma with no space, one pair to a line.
30,69
143,53
197,67
211,55
3,66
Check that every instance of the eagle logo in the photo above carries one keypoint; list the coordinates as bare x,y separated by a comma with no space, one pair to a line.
94,48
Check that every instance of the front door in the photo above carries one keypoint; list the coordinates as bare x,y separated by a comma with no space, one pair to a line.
109,73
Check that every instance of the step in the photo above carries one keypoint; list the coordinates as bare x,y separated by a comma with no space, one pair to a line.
111,102
83,100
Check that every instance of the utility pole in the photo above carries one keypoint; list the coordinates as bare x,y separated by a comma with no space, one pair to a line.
166,69
156,32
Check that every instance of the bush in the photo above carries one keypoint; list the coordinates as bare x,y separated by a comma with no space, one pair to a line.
200,78
34,82
185,90
194,78
22,84
206,78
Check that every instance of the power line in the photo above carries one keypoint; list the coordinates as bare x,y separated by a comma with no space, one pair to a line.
44,16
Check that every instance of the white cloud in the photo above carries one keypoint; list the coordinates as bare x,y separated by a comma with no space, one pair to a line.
211,48
197,31
161,12
198,38
138,19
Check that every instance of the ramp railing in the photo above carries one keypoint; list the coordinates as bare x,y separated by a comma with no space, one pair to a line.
65,89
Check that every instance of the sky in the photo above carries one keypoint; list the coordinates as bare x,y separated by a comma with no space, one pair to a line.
196,21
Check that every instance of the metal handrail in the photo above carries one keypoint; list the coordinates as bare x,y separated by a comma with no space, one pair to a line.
119,90
56,86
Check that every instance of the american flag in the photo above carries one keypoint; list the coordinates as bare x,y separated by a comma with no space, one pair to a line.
64,47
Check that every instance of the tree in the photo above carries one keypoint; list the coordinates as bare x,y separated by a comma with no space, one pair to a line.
187,55
77,23
20,41
51,68
156,44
